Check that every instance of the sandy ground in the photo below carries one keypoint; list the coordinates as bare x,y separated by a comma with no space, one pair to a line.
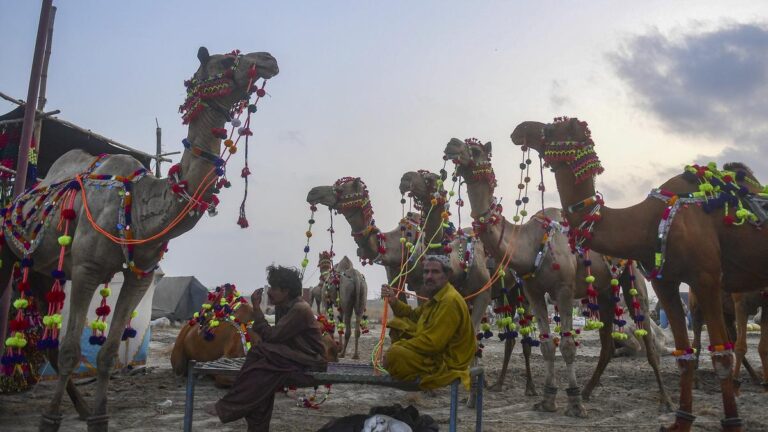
626,400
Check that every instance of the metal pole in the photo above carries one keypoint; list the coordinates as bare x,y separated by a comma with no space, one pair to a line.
158,134
26,136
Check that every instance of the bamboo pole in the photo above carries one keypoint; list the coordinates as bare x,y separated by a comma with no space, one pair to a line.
159,148
26,136
41,100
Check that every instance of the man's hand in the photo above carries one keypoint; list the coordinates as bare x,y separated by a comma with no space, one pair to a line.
256,298
387,292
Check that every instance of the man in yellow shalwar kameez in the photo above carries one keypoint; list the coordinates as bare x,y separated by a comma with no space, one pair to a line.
444,343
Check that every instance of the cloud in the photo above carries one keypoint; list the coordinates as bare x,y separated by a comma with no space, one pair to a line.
710,84
558,97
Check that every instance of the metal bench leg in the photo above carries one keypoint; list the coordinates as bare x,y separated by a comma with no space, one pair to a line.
454,405
479,404
189,406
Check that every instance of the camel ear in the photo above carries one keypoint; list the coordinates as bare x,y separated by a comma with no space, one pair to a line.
487,147
203,56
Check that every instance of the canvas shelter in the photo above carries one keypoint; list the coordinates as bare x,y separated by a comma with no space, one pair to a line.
178,297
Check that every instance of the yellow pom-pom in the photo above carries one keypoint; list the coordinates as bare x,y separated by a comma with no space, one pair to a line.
402,240
433,201
233,150
134,314
207,306
105,292
65,240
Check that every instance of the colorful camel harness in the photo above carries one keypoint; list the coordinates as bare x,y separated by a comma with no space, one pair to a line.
219,310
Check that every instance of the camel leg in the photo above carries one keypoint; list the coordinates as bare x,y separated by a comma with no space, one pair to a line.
539,308
40,284
669,296
509,344
697,325
530,388
348,331
358,317
740,326
721,361
84,283
762,348
179,359
132,291
649,340
606,344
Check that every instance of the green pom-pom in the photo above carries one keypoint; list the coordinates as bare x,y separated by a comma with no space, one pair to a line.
451,193
105,292
521,310
213,323
304,263
20,303
196,315
523,213
633,292
65,240
614,282
485,327
590,279
402,240
134,314
502,273
516,218
742,213
558,329
207,306
47,321
57,319
641,333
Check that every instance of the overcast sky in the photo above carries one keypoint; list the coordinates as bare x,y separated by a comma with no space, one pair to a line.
376,89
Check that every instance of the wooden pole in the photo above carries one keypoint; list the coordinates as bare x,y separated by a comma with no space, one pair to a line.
26,136
158,135
41,100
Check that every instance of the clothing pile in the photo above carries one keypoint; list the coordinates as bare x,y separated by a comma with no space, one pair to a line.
392,418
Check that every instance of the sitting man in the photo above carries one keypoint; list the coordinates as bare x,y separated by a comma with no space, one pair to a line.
443,344
293,346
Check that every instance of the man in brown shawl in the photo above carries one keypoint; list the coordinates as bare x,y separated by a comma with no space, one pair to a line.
289,349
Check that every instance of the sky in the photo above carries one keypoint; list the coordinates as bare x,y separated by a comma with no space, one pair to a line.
376,89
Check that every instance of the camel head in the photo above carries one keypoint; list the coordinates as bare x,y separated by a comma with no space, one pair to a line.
222,80
422,186
472,159
325,261
564,142
346,195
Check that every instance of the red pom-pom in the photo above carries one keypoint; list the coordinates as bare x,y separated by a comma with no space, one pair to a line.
219,133
260,92
103,310
243,222
214,200
23,286
245,172
555,266
175,169
728,220
68,214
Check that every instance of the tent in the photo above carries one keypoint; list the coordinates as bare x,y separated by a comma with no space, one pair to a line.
133,352
178,297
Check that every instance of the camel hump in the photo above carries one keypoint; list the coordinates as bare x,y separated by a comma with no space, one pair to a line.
550,212
740,166
75,162
344,265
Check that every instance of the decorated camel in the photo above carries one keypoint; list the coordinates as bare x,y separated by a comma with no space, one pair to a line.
541,255
349,196
424,186
316,297
221,329
699,227
345,290
117,217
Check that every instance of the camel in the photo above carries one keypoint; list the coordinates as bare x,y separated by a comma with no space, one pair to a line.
126,203
316,297
345,289
422,186
705,242
210,336
349,196
543,258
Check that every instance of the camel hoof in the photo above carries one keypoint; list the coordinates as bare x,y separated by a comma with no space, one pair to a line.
471,401
665,407
576,410
98,423
495,388
585,395
545,406
531,391
355,357
50,422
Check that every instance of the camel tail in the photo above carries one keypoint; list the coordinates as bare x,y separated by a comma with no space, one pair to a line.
179,359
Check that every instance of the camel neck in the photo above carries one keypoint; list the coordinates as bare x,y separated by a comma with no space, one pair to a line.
195,168
502,237
362,233
433,225
624,233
